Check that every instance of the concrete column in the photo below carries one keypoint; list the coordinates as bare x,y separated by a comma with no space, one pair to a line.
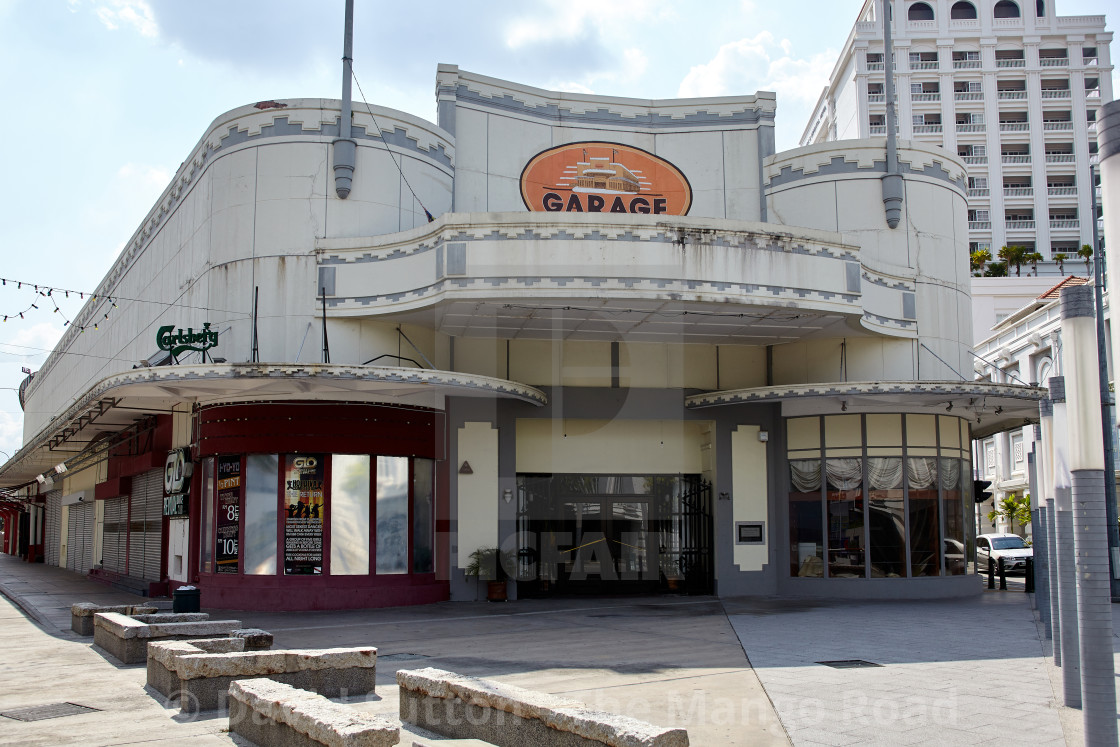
1086,461
1064,549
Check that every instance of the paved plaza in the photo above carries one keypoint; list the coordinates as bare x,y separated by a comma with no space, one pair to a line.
731,671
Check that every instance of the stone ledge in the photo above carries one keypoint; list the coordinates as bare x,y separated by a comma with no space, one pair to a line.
189,665
310,714
81,614
560,714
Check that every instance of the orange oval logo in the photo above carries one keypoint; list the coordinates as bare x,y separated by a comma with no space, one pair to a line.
599,177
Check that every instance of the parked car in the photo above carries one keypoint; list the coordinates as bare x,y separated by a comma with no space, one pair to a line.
1010,547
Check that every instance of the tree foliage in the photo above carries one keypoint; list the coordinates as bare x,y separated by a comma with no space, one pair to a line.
1014,509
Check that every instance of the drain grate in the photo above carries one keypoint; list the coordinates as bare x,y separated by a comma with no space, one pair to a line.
849,664
52,710
401,657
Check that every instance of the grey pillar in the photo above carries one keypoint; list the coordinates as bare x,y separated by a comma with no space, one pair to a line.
1038,532
1090,523
1064,550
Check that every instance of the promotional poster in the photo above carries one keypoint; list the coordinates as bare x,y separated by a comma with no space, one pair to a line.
303,514
227,555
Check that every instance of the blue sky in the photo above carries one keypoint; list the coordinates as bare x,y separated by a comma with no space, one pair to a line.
107,97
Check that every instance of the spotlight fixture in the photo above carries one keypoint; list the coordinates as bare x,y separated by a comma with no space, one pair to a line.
844,406
949,408
999,411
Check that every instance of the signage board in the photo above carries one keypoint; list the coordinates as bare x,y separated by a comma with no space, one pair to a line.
603,177
177,471
182,341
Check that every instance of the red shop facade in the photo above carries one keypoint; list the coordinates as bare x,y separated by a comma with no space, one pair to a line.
319,505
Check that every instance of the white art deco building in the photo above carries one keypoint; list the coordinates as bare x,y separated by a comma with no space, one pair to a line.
1010,86
634,348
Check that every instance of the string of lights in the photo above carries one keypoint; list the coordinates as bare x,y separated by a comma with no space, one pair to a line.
52,293
48,292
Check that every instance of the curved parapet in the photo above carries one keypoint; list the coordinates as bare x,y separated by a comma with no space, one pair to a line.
917,271
564,260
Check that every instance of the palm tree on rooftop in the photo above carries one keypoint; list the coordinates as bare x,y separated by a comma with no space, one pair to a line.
1014,256
1034,258
1061,258
1086,253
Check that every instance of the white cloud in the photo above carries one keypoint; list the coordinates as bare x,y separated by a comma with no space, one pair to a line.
136,14
42,335
563,19
760,63
11,433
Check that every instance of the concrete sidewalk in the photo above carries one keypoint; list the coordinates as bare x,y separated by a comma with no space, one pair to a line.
953,672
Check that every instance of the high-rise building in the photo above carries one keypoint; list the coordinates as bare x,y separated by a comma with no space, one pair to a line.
1011,87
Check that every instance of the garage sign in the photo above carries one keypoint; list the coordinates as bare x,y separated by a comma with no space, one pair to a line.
602,177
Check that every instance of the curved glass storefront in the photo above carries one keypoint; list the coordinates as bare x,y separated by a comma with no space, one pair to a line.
878,496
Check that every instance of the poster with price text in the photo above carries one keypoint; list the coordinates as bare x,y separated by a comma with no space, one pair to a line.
227,558
303,514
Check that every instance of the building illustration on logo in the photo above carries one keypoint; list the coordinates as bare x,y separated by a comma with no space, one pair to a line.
602,174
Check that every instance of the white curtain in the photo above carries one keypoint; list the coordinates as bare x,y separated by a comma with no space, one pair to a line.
921,472
950,473
884,473
805,475
844,474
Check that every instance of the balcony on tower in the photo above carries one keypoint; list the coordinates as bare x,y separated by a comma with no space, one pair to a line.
1053,57
1017,187
1010,58
1011,90
1056,88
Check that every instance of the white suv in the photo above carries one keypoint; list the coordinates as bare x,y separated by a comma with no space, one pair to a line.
1010,547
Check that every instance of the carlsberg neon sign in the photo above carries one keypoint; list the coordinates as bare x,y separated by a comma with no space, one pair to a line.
180,342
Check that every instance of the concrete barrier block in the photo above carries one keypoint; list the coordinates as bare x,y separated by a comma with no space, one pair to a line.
273,713
508,716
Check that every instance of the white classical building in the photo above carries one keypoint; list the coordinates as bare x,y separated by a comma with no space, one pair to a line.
1010,86
621,340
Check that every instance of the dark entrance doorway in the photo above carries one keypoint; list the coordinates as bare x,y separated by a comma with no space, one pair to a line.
613,534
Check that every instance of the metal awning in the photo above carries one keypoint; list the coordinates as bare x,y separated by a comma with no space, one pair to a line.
991,408
116,402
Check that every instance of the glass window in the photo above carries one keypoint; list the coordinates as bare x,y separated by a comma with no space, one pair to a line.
806,531
392,514
886,517
846,541
953,472
423,516
921,475
262,480
349,518
206,556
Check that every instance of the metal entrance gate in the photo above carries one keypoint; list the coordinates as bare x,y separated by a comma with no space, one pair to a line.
696,559
612,534
79,539
52,529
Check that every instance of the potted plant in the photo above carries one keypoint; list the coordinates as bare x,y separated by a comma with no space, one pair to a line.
486,565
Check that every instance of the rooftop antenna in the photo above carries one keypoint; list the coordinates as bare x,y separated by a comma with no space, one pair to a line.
326,345
344,147
892,180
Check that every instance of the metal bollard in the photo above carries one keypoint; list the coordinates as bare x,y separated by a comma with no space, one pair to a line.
1002,576
1028,576
991,573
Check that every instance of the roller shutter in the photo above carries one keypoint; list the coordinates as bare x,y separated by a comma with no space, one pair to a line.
79,542
115,535
51,527
145,540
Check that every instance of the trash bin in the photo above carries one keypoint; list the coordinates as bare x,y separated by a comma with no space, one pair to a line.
185,599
